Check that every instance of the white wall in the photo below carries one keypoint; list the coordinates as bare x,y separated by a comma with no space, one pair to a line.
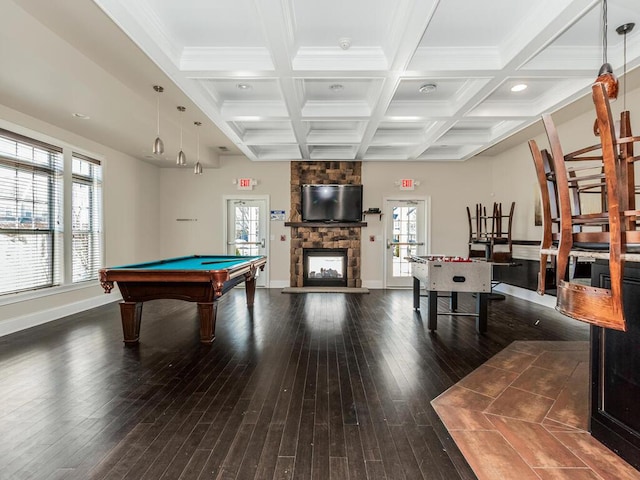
200,197
131,224
451,188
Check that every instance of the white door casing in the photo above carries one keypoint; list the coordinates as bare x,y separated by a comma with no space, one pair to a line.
406,233
247,229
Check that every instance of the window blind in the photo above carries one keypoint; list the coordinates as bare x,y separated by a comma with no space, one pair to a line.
86,223
30,213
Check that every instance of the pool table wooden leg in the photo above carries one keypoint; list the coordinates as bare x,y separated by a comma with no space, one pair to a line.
207,313
250,289
131,314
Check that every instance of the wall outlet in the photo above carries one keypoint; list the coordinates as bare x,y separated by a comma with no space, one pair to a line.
372,238
283,238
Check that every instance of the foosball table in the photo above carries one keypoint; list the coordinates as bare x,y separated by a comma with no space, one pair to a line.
441,273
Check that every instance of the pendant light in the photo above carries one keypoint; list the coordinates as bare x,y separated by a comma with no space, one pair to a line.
158,145
182,158
605,75
623,30
197,170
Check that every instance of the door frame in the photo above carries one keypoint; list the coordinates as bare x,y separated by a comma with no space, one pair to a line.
427,226
225,222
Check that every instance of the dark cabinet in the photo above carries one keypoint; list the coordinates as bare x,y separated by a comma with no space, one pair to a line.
615,371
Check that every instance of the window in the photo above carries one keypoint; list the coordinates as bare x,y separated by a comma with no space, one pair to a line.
30,213
35,233
86,221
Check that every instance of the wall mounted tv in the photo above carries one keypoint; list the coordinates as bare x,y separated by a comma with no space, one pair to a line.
331,203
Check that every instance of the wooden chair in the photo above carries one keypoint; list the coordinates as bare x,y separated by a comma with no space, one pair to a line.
490,231
608,233
477,231
550,214
501,226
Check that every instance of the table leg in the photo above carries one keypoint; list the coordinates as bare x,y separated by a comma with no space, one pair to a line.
207,313
250,290
432,322
416,294
482,300
453,301
131,314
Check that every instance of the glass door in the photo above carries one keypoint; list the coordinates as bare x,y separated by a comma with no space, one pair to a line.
406,235
247,230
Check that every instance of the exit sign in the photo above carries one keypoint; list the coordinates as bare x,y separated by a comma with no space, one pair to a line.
245,184
407,184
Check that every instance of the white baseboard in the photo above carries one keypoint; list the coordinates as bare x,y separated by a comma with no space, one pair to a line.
523,293
23,322
373,284
278,283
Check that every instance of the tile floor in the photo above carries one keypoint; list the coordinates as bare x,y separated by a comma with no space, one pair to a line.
524,415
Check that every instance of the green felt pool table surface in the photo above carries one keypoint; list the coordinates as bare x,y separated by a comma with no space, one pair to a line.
193,262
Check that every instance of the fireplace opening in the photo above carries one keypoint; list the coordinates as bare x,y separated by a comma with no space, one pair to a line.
325,267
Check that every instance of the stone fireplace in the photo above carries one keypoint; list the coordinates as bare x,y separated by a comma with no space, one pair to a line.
317,236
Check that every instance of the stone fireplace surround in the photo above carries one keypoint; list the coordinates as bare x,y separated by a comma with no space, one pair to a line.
320,236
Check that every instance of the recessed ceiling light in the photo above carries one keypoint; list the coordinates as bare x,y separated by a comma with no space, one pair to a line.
519,87
81,116
243,86
345,43
336,87
428,88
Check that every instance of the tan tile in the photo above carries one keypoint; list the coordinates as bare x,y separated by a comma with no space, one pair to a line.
516,403
566,474
491,457
462,398
598,457
553,426
488,380
561,362
462,419
513,361
537,347
532,348
535,444
582,345
541,381
572,405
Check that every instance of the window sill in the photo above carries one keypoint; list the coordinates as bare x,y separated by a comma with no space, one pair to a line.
11,298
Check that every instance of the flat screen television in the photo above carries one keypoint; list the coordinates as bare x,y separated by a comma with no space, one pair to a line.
331,203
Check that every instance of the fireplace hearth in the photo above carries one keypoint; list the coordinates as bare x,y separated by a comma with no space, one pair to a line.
325,267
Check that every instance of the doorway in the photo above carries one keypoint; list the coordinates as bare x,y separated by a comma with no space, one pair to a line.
406,234
247,229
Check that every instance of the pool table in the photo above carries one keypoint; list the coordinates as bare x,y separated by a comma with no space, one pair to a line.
197,278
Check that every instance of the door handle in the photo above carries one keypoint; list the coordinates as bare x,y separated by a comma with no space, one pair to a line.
390,243
261,243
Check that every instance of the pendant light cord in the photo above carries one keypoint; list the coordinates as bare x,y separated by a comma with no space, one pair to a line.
604,31
158,113
624,78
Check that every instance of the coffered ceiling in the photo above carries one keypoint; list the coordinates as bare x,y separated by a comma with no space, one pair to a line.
421,80
376,79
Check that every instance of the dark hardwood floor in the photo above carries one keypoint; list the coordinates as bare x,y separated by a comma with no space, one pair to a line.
322,386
